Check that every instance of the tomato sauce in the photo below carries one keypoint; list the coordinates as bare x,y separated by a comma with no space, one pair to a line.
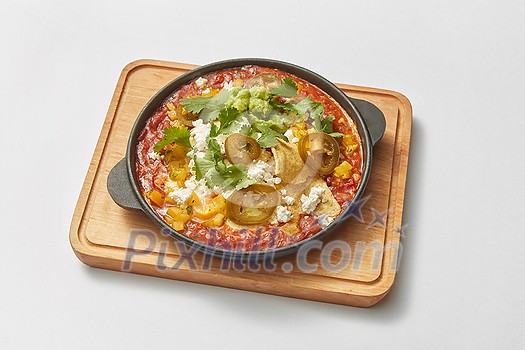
152,173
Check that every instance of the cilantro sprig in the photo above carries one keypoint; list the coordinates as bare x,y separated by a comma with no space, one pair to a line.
325,124
226,118
316,112
288,88
208,108
228,177
214,170
177,135
268,137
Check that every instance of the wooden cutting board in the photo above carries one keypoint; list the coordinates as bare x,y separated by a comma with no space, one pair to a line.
356,265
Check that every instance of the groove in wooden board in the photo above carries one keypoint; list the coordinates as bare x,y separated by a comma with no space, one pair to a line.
104,226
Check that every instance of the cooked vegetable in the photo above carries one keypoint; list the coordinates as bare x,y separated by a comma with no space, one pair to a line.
230,168
343,170
175,151
267,80
217,220
287,89
178,135
207,108
320,151
252,205
241,149
179,214
205,211
156,197
184,116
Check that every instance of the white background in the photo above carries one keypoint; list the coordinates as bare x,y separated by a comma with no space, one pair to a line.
461,281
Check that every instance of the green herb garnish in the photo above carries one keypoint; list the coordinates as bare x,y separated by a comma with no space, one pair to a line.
268,137
288,88
208,107
177,135
214,170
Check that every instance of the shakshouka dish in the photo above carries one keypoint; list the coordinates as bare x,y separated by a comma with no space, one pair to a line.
250,158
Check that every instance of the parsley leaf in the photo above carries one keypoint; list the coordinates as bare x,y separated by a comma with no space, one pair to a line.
222,96
287,89
326,124
213,169
208,107
203,165
214,146
248,131
316,113
227,116
268,136
287,107
304,105
228,177
178,135
195,104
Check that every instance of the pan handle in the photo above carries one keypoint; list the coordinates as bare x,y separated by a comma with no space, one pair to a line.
374,119
119,187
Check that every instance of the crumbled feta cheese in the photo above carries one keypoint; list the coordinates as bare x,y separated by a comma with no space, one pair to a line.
181,195
310,202
205,91
199,187
258,171
171,185
273,180
289,200
283,214
325,220
261,171
153,155
191,165
198,135
228,85
221,139
201,82
290,137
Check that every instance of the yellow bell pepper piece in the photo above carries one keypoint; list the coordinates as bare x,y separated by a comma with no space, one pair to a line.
343,171
206,211
156,197
180,217
217,220
179,214
178,226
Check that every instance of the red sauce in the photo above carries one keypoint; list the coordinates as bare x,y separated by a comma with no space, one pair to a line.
152,173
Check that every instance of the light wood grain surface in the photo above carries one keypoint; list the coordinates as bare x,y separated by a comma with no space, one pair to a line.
100,230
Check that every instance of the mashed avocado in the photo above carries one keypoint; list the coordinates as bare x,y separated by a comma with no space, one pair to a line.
259,105
256,99
260,93
239,99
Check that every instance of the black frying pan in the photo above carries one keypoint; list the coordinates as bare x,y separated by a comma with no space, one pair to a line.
123,184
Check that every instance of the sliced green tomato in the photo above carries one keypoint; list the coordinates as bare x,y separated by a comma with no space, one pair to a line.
241,149
320,151
253,204
266,80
